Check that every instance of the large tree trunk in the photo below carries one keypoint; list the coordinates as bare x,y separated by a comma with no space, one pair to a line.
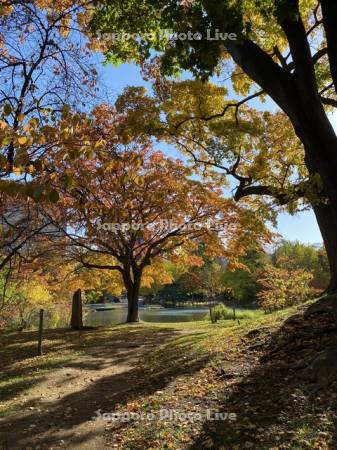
321,158
328,226
320,144
133,315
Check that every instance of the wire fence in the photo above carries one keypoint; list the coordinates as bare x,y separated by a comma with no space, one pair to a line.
19,319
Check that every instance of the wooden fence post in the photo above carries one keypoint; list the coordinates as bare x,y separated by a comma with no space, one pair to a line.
39,346
76,321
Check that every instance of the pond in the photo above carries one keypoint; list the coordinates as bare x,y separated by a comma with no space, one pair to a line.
110,314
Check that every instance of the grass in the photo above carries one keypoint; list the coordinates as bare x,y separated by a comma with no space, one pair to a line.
186,373
222,312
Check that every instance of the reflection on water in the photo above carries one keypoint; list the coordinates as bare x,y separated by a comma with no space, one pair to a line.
164,315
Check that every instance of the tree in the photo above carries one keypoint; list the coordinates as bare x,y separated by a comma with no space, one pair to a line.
274,49
243,281
41,275
25,290
131,206
282,287
45,67
23,228
155,277
295,255
8,299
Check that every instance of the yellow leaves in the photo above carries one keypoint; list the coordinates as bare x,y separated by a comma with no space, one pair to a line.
156,275
124,179
283,287
306,7
100,144
241,82
269,150
33,123
138,161
17,170
21,117
194,99
35,293
65,24
53,176
6,140
139,181
129,204
22,140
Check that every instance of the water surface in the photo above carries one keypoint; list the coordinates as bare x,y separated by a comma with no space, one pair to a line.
164,315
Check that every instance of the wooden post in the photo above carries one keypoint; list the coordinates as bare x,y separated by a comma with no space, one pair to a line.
39,345
210,312
76,322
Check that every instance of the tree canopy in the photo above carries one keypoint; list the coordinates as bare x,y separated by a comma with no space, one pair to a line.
284,49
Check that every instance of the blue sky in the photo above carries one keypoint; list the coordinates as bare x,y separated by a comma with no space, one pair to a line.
302,227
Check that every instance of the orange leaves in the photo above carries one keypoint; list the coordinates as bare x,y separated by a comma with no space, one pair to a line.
145,203
157,157
156,274
6,10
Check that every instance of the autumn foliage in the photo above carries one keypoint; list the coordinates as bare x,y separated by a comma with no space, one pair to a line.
282,287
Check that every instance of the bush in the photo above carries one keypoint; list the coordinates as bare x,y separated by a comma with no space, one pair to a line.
283,287
222,312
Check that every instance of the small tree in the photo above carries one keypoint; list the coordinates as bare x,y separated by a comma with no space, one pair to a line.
283,287
23,295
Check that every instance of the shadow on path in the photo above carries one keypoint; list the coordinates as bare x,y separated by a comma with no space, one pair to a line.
109,372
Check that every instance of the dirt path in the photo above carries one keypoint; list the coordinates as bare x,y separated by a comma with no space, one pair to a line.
57,411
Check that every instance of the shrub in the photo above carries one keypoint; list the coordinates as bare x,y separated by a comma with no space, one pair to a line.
283,287
222,312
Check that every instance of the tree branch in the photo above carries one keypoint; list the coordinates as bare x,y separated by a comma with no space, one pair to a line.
100,266
329,10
